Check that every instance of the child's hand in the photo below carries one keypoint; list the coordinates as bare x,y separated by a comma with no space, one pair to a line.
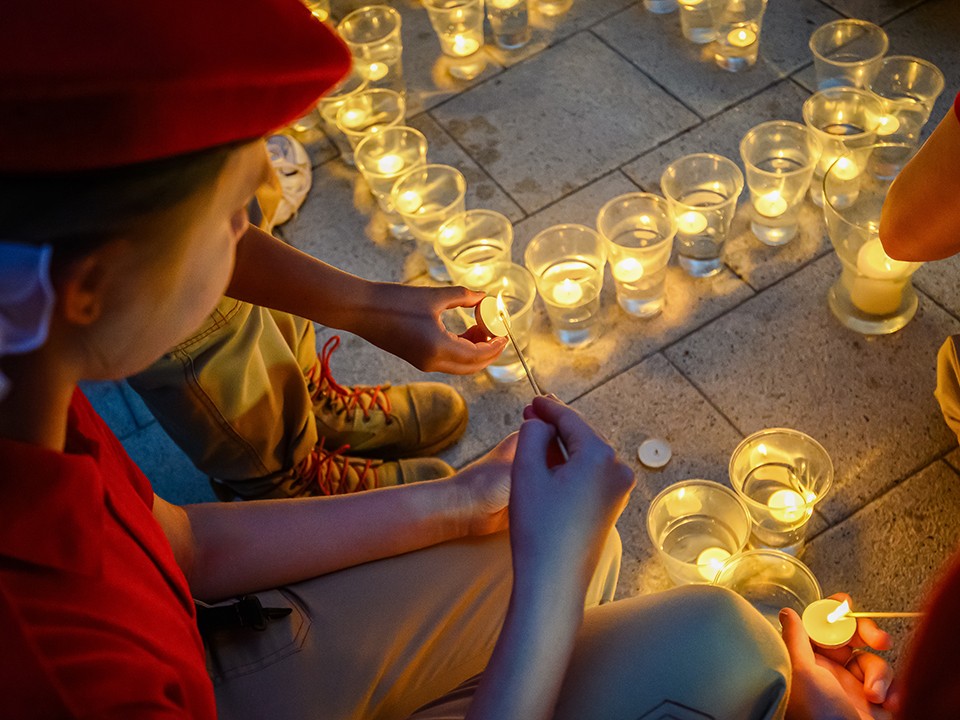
844,683
407,323
486,489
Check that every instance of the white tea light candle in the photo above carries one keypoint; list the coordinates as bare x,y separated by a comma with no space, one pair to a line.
691,223
824,631
710,562
567,292
771,205
489,318
627,270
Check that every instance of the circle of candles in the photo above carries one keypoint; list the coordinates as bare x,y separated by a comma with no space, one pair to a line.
710,561
741,37
627,270
567,292
821,630
888,125
655,453
463,45
488,317
691,222
771,205
389,164
786,506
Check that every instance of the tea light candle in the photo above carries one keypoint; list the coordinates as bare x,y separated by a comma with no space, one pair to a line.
389,164
888,125
877,291
771,205
409,202
463,45
488,317
786,506
741,37
710,561
825,626
627,270
691,222
376,71
479,275
355,118
874,262
504,4
567,292
845,169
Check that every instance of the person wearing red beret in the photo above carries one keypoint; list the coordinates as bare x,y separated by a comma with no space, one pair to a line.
120,228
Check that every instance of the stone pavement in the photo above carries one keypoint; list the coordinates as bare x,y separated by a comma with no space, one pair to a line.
596,105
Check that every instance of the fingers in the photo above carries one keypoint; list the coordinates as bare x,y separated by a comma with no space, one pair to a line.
458,297
796,640
877,676
572,428
868,634
475,334
460,356
533,443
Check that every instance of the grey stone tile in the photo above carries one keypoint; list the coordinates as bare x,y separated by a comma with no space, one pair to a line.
888,555
107,399
876,11
173,476
482,191
547,126
721,134
317,145
655,44
782,360
939,281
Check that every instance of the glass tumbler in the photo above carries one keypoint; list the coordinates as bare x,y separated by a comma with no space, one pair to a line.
329,105
696,526
426,197
780,475
369,111
696,21
384,156
702,190
458,24
874,295
639,230
373,35
471,243
847,53
516,286
736,29
843,119
509,21
907,87
567,262
779,158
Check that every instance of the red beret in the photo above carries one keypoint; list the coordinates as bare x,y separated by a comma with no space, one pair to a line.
101,83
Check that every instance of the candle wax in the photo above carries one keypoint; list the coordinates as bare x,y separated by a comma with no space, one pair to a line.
741,37
567,292
710,561
463,45
488,317
355,118
771,205
504,4
389,164
478,276
873,261
627,270
691,223
888,125
682,502
376,71
824,633
787,506
409,202
845,169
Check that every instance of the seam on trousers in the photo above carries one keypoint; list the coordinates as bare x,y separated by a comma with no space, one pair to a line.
219,320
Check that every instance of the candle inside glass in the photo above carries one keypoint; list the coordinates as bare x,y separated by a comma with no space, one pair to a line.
878,287
710,562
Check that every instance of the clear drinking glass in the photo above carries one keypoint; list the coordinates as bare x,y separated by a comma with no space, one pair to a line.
844,119
471,243
384,156
516,286
510,23
770,580
369,111
847,53
458,24
427,197
329,105
660,7
779,158
702,190
319,8
696,526
696,21
874,294
639,230
907,87
373,35
780,475
736,27
567,262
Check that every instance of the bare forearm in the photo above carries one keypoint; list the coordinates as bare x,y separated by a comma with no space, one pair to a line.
244,547
270,273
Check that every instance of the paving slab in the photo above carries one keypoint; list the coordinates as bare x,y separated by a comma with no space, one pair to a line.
173,476
888,555
782,360
526,127
953,459
939,281
876,11
107,399
655,44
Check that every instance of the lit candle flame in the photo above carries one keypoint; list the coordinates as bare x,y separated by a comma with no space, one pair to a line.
502,309
839,613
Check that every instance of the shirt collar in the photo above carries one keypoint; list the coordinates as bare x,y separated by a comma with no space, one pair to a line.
52,505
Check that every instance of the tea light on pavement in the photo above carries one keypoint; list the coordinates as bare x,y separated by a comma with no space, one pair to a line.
787,506
691,223
463,45
710,561
741,37
567,292
389,164
627,270
771,204
655,453
827,623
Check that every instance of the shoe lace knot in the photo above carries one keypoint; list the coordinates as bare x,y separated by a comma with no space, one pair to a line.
350,399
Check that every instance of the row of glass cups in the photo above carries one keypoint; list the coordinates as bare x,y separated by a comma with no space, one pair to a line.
747,538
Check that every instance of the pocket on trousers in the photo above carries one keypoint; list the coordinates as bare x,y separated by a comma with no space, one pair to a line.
241,651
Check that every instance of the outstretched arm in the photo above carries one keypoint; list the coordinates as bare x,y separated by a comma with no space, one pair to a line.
920,219
401,319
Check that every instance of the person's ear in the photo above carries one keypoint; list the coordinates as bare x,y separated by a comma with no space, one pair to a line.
80,289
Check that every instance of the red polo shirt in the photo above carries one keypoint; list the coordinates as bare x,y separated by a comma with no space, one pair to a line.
96,616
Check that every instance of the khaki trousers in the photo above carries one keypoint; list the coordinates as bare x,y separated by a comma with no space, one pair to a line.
380,640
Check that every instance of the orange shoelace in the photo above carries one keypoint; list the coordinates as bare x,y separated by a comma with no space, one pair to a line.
323,468
364,397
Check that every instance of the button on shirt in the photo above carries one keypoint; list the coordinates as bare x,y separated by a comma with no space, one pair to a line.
96,616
